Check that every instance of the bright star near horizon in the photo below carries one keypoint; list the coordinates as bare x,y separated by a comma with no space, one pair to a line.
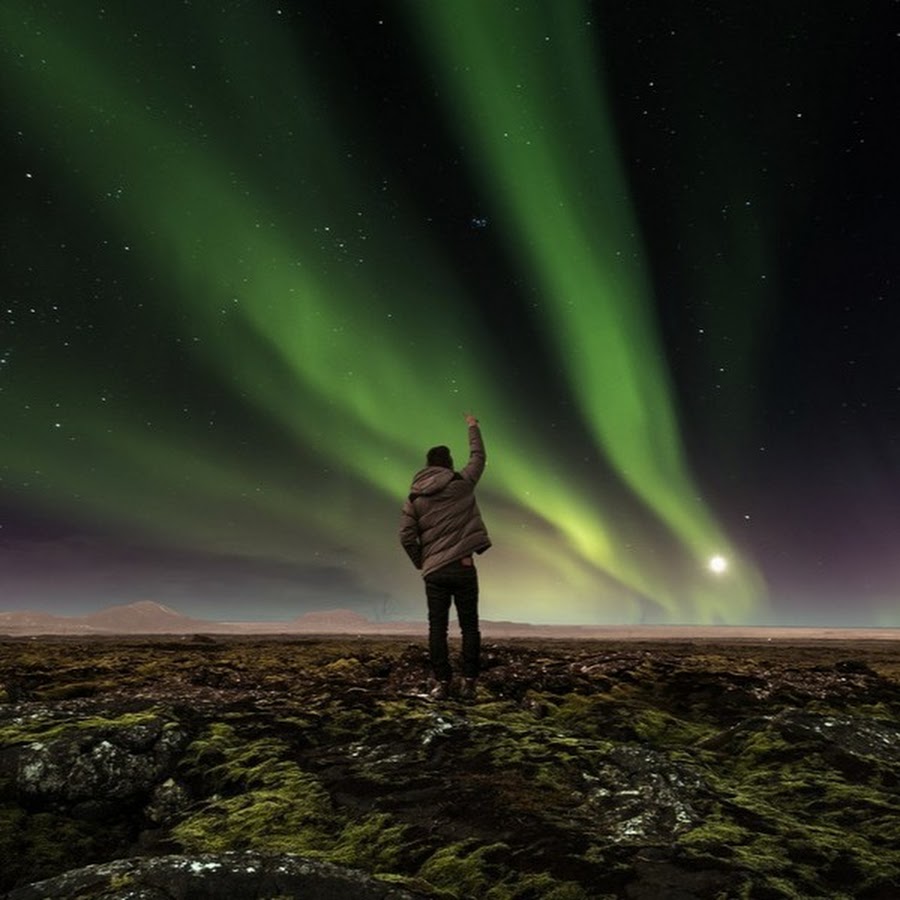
718,564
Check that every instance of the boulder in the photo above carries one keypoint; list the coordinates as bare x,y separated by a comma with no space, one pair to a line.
98,761
237,876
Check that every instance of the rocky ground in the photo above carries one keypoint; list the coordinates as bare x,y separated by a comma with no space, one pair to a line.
318,768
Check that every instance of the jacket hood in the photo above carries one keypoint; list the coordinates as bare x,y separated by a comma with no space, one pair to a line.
431,480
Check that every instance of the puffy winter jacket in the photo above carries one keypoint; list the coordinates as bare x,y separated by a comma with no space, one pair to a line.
440,521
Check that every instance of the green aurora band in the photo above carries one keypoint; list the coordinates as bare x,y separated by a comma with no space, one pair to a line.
302,295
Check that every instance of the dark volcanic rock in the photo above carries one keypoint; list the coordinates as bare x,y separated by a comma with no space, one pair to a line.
640,796
856,741
92,761
582,771
236,876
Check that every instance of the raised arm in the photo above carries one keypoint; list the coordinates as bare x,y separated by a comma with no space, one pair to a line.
477,457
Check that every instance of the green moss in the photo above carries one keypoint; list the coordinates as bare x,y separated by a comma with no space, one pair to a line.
715,833
28,660
41,731
660,729
372,843
576,712
468,869
288,820
345,667
792,818
465,870
222,758
339,721
278,807
407,712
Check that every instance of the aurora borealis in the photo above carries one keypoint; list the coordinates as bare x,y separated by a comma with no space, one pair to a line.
257,257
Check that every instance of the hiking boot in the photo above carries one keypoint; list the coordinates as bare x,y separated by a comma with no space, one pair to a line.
441,691
467,691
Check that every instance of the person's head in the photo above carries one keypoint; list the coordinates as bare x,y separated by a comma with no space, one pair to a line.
439,456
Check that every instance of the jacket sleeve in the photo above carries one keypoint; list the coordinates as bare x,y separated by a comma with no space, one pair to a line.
409,533
477,458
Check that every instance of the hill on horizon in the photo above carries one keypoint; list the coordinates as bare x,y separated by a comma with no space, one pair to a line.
147,617
150,617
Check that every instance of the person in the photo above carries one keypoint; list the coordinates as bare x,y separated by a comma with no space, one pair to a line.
441,529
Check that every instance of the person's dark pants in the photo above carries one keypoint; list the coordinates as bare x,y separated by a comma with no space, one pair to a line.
455,582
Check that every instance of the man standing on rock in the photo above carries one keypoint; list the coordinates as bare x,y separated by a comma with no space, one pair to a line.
441,529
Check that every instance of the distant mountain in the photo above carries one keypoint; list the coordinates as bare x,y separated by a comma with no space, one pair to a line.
149,617
144,617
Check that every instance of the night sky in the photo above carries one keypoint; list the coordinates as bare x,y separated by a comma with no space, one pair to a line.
257,257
